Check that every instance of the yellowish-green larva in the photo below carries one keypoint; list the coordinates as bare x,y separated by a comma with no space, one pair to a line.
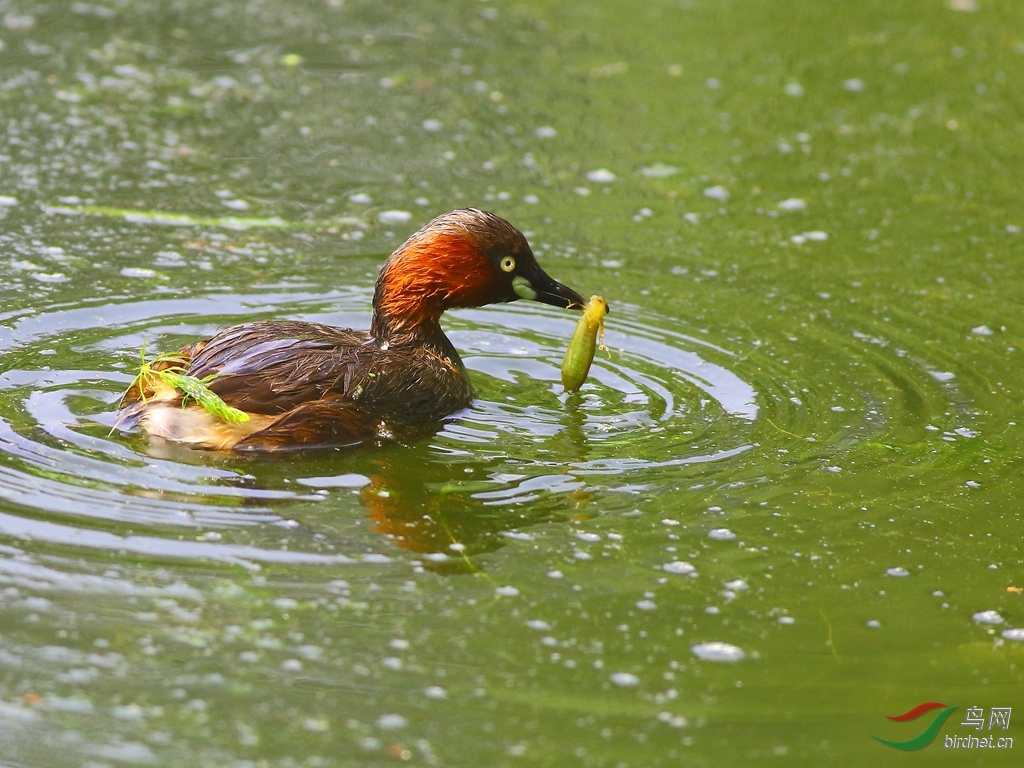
580,354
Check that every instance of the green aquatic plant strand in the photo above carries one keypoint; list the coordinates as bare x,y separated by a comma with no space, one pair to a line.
165,218
198,391
193,389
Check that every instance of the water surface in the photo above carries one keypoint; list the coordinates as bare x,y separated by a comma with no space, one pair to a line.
784,506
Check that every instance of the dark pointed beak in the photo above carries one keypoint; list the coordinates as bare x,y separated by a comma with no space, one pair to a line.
540,287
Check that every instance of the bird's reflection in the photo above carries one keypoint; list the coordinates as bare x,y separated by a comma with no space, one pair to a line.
458,507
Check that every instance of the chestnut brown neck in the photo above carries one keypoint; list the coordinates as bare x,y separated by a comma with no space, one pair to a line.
420,281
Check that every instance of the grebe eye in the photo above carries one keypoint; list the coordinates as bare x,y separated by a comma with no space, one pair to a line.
508,264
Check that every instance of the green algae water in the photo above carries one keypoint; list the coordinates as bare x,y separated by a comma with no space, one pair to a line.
785,507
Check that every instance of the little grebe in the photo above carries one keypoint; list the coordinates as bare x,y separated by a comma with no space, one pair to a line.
306,384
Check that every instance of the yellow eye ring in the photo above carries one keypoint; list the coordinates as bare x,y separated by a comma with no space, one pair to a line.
507,264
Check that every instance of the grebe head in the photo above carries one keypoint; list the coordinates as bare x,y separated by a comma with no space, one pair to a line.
466,258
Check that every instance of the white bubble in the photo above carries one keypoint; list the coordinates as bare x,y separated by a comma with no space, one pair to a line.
236,205
138,272
361,198
679,566
982,330
722,534
658,171
507,591
393,217
787,620
717,192
601,176
898,572
718,652
50,277
794,89
546,132
988,617
793,204
1014,634
854,85
432,125
942,375
435,692
315,724
19,21
624,679
391,722
646,605
6,201
538,624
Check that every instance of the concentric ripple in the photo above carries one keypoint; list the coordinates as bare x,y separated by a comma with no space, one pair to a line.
668,408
